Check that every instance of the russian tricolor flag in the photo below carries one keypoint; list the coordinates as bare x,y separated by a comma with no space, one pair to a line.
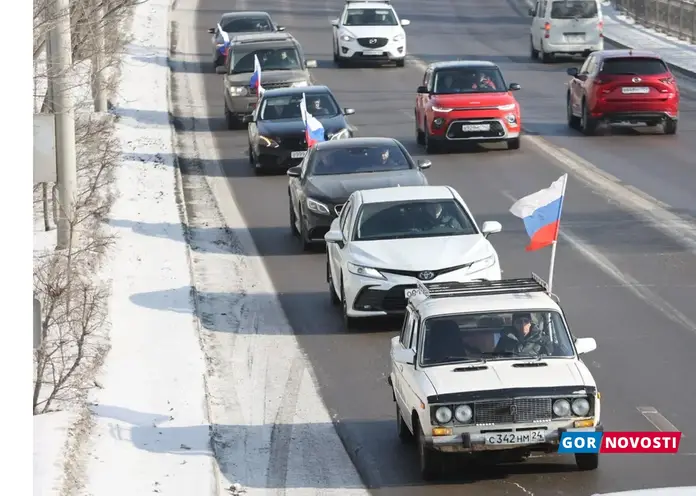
314,131
541,213
255,82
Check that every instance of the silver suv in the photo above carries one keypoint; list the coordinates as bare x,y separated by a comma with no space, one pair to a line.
282,66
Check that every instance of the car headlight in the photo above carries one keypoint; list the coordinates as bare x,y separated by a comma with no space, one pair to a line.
238,90
483,264
511,118
318,207
345,37
443,415
441,109
362,271
398,37
299,84
267,142
463,413
505,108
561,408
581,407
342,134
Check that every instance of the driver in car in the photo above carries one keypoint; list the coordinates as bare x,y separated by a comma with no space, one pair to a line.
525,340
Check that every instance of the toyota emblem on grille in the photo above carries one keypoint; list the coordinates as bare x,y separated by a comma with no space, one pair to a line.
636,80
373,41
426,275
513,410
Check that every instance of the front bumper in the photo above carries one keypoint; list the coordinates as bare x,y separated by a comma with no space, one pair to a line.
473,441
241,106
318,225
278,158
353,50
449,128
368,297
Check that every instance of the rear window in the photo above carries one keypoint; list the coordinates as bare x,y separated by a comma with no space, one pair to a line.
630,66
574,9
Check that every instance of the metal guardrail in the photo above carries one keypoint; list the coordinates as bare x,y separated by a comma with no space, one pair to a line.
673,17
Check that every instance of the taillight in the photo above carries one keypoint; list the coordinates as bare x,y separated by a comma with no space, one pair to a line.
547,29
600,26
668,80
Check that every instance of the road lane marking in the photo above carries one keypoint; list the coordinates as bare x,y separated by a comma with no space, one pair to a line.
657,419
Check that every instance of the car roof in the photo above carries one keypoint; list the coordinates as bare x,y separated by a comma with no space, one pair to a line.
405,193
455,64
262,37
295,91
349,142
244,13
369,5
509,302
612,54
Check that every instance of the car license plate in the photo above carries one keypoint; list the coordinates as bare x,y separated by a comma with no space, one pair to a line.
525,437
412,292
372,52
633,90
476,127
575,38
298,154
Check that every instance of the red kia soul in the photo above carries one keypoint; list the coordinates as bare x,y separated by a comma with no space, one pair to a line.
613,86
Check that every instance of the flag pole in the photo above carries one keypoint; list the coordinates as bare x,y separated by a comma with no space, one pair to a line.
554,245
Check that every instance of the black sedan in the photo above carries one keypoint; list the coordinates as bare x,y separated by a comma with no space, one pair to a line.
236,23
333,170
277,137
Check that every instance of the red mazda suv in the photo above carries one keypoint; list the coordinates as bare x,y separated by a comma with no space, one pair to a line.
617,86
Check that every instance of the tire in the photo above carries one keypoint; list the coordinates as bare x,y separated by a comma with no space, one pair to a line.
251,156
231,121
588,125
335,300
401,63
420,136
350,323
587,461
573,121
670,127
293,219
534,54
513,144
546,58
335,54
306,245
430,145
402,430
427,458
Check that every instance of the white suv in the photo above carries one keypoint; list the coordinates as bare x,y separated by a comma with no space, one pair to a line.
369,31
490,367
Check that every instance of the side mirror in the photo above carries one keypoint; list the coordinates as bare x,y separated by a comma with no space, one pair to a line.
422,90
221,69
348,111
334,23
424,164
491,227
333,237
406,357
405,22
248,118
294,171
531,12
514,87
311,64
211,30
585,345
280,28
572,71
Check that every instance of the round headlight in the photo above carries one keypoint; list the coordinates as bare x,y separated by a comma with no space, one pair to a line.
581,407
463,413
561,408
443,415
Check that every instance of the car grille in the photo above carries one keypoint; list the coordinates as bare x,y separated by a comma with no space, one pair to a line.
270,86
454,131
373,42
293,144
417,273
513,411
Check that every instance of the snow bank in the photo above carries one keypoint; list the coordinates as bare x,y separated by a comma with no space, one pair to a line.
50,437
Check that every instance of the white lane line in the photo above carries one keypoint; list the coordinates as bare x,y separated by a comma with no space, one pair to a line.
520,487
638,289
657,419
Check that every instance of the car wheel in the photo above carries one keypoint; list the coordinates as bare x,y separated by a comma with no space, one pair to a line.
533,53
670,126
587,461
405,435
231,121
427,457
513,144
335,300
420,136
401,63
573,121
251,155
430,145
348,322
546,58
588,125
293,218
306,244
335,53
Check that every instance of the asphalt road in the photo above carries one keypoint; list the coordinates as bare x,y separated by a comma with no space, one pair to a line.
620,279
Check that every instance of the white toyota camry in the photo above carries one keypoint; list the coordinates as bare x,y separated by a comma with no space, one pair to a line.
387,239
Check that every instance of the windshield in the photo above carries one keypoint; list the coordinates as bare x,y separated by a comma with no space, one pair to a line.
356,159
469,80
288,107
574,9
412,219
246,25
495,336
370,17
271,59
645,66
